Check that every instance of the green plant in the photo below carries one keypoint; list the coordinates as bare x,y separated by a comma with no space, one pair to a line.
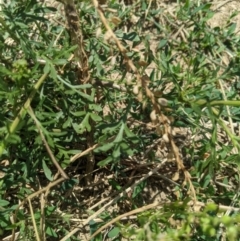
102,124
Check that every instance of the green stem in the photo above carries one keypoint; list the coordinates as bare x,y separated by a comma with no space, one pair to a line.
235,103
203,102
22,112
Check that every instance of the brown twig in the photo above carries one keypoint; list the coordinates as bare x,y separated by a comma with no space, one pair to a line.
143,80
135,211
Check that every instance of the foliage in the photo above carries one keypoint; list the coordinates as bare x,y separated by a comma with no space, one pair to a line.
58,129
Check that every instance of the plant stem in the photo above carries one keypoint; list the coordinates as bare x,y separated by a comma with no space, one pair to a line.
21,113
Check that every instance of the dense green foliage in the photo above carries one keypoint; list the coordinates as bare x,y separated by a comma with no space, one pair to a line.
195,78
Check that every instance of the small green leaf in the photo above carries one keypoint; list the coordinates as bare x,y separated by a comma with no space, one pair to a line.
105,147
53,73
83,126
60,61
128,132
105,161
120,134
115,185
102,138
50,231
78,113
67,123
47,171
116,152
210,207
133,36
138,189
114,232
95,107
162,43
50,210
196,108
202,7
110,128
95,117
87,97
3,203
126,149
207,180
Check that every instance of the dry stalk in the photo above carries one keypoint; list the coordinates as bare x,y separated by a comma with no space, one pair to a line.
76,35
143,81
77,38
135,211
33,220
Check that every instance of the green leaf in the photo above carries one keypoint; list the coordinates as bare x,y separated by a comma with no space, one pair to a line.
133,36
138,189
196,108
116,152
105,147
14,139
74,87
119,137
115,185
110,128
210,207
162,43
102,138
46,68
95,117
95,107
50,231
47,171
78,113
128,132
45,10
105,161
202,7
87,97
207,180
67,123
53,73
60,61
83,126
3,203
114,232
49,210
126,149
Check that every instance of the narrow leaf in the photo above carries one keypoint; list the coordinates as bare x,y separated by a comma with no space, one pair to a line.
47,171
114,232
105,161
120,134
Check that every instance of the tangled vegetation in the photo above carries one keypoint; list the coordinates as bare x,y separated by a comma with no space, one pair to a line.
119,121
